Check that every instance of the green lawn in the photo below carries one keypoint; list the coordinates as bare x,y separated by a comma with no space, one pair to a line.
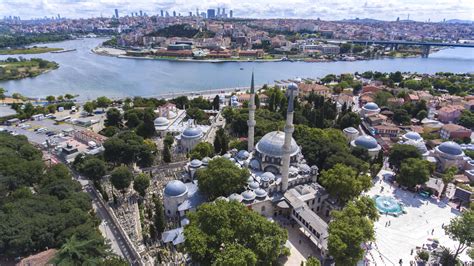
16,69
31,50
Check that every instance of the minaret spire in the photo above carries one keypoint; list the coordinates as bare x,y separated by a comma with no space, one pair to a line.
289,128
251,122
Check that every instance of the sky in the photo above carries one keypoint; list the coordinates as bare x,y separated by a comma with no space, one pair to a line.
420,10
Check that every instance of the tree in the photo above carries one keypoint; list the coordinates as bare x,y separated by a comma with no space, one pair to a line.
221,178
344,183
381,98
230,233
461,230
396,77
89,107
467,119
50,99
146,128
422,115
113,117
103,102
349,119
401,116
121,178
128,148
221,142
196,114
349,229
201,150
69,96
133,120
400,152
2,93
312,261
413,172
257,101
159,217
216,103
141,184
93,168
77,252
166,154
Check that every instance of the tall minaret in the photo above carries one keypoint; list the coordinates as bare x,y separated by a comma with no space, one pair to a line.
251,121
289,128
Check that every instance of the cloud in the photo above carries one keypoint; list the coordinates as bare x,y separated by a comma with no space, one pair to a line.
325,9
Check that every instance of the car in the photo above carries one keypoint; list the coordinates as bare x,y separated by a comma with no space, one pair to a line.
41,130
50,133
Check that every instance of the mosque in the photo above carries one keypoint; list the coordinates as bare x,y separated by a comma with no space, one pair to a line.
281,183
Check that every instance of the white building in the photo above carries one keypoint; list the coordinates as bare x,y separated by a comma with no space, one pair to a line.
369,143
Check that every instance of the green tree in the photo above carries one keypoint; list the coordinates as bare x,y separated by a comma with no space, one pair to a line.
349,229
201,150
166,154
460,229
69,96
113,118
50,99
400,152
221,142
103,102
141,184
467,119
396,76
343,183
413,172
349,119
196,114
230,233
401,117
216,103
312,261
121,178
221,178
89,107
448,177
93,168
422,115
133,120
80,252
159,217
146,129
2,93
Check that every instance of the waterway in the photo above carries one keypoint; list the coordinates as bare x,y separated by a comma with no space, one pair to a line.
89,75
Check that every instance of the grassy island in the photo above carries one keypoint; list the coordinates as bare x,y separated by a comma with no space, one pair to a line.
13,68
29,50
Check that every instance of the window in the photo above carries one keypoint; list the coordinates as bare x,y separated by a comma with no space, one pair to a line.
169,212
263,208
319,199
317,209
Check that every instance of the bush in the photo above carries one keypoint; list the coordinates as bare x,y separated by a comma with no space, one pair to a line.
423,255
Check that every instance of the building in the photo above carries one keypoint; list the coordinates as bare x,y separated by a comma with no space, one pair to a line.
116,13
369,109
369,143
351,133
448,154
190,137
306,89
211,13
450,114
453,131
180,198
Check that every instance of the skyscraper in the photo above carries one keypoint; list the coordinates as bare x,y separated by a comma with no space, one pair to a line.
116,13
190,13
218,12
174,13
211,13
231,14
223,12
197,12
141,13
162,13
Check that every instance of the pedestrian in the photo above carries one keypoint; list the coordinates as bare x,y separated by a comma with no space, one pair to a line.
432,231
299,241
400,262
411,253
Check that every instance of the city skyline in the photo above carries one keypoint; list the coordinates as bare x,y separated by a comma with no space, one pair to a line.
422,10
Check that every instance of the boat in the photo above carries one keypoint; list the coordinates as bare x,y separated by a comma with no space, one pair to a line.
63,51
241,68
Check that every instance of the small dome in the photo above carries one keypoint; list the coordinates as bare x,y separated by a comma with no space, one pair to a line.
254,164
412,135
371,106
250,180
260,193
419,145
227,156
248,195
272,144
267,177
243,155
254,185
236,197
175,188
192,133
195,163
161,121
451,148
351,130
205,160
366,142
305,168
172,114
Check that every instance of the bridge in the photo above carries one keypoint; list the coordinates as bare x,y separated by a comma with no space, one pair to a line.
426,45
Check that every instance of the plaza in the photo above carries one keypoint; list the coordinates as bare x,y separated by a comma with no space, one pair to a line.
400,237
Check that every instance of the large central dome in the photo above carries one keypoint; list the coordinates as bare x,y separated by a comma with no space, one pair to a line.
272,144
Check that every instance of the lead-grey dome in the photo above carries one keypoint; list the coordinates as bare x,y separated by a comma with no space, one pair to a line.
161,121
254,185
451,148
261,193
267,177
195,163
351,130
243,155
236,197
272,144
413,135
366,142
192,133
248,195
175,188
371,106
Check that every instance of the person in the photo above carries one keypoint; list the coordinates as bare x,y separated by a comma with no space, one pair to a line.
432,231
400,262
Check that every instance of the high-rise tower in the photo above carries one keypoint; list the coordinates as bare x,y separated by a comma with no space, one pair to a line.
251,122
289,128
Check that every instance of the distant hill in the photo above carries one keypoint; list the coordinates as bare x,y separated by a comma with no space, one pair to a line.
460,21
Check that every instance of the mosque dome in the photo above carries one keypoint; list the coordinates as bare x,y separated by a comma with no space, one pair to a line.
272,144
413,136
243,155
450,148
371,106
205,160
366,142
172,114
236,197
195,163
267,177
304,168
254,185
192,133
250,180
260,193
248,195
351,130
175,188
161,121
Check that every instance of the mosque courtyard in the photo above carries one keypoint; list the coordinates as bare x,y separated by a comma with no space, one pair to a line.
400,237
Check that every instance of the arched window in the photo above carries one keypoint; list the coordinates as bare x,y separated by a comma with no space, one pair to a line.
263,208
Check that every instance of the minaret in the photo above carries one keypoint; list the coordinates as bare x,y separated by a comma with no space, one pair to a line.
251,121
289,128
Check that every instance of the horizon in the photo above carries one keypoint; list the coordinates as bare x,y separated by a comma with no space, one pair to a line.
390,10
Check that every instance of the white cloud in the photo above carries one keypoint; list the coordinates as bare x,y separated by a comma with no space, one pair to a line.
325,9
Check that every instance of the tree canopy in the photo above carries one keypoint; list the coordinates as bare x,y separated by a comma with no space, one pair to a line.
231,234
121,178
414,172
400,152
141,184
127,148
221,178
461,229
201,150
